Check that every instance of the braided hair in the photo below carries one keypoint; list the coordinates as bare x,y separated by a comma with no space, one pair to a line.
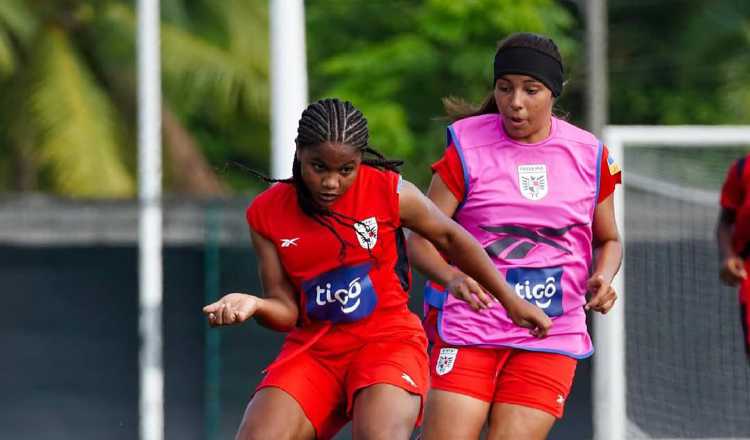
335,121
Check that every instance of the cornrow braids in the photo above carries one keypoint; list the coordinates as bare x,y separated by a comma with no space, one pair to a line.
335,121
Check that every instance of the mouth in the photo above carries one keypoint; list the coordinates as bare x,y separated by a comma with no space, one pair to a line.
327,198
515,121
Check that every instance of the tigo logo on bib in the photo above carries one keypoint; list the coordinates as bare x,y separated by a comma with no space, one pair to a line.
539,286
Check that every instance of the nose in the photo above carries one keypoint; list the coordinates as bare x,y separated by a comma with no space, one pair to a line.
330,182
516,102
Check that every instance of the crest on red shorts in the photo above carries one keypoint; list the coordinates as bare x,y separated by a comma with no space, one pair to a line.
445,361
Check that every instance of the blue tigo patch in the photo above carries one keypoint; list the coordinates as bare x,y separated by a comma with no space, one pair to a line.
540,287
342,295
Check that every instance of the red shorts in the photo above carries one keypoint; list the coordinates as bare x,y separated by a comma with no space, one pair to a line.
325,383
504,375
744,299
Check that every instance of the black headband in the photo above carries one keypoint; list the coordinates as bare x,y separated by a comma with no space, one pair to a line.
531,62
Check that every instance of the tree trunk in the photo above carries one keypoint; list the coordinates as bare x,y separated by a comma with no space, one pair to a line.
191,172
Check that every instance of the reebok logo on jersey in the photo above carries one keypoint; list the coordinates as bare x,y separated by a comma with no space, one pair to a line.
560,399
286,242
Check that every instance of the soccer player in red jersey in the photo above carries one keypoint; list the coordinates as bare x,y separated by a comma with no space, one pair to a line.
333,265
733,236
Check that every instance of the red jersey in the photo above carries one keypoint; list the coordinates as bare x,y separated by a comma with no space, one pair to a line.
372,276
449,169
733,197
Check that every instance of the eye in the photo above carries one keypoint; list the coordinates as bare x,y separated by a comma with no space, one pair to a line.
503,88
318,167
532,91
347,170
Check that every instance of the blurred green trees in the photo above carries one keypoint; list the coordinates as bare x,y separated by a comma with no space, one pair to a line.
67,72
67,116
400,57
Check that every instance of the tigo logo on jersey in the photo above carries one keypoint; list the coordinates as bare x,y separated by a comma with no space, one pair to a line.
342,295
539,286
532,180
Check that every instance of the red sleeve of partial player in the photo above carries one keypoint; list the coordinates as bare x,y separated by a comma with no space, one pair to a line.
732,192
609,176
451,171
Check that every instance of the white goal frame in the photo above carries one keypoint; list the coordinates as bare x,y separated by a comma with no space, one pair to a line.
609,379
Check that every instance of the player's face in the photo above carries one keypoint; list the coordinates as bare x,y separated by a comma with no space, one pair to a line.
328,170
525,105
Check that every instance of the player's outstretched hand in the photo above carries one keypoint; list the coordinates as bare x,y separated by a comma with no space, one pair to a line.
527,315
233,308
467,289
732,271
603,295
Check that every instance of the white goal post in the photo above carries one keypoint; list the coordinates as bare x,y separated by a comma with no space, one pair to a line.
609,369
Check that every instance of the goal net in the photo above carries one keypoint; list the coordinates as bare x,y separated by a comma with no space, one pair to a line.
670,360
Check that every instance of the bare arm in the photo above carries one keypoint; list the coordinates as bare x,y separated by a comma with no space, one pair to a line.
277,309
430,263
732,270
419,214
608,251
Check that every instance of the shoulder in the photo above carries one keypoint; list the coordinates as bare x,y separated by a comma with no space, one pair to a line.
568,132
489,120
476,131
373,176
278,196
739,167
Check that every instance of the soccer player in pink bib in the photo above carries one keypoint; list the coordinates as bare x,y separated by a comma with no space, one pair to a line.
536,192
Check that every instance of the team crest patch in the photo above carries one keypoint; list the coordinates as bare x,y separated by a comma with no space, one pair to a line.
532,179
367,232
446,360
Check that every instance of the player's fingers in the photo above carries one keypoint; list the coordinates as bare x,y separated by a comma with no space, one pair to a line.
212,308
484,299
245,311
740,272
607,306
594,283
471,299
542,327
596,300
220,314
228,314
463,293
